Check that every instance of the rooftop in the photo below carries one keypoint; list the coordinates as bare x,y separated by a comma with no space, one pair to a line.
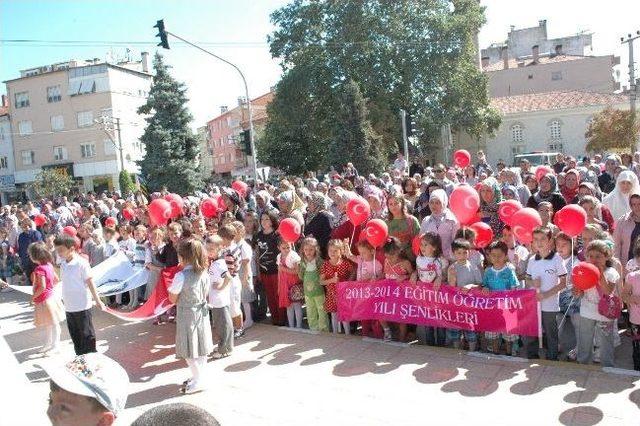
528,61
554,101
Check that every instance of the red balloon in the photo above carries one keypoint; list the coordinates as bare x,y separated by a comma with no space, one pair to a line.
484,234
159,211
571,219
542,171
70,231
110,222
415,244
177,204
376,232
209,208
40,220
506,210
128,213
241,187
290,230
585,275
461,158
220,204
464,202
524,222
358,211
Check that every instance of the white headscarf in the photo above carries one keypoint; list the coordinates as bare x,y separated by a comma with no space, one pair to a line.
618,202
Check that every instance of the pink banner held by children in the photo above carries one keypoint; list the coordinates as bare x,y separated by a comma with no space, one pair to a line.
511,312
158,302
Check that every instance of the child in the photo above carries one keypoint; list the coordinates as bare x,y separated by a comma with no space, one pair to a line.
77,290
7,259
247,294
499,276
368,268
48,311
518,254
545,208
141,259
475,257
309,273
430,269
335,269
396,267
590,233
288,261
631,296
189,291
156,238
466,276
220,298
569,305
547,274
591,322
127,245
198,228
590,206
231,255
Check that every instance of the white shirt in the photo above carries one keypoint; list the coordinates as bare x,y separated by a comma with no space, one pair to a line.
246,253
549,270
74,276
591,298
291,261
217,272
430,268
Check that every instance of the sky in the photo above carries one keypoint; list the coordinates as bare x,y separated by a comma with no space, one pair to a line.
237,30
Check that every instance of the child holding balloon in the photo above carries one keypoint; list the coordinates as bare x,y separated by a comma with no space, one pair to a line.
288,261
396,267
335,269
569,305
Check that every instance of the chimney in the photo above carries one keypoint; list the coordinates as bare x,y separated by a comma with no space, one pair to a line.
223,109
559,49
485,61
505,57
535,51
5,101
145,61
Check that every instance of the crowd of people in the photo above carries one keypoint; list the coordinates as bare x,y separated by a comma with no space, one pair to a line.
232,267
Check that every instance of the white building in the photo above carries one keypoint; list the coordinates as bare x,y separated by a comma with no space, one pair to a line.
7,162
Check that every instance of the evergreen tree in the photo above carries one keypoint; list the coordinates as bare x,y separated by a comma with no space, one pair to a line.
172,151
356,141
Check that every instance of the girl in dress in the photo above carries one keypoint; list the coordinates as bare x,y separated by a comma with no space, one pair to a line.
288,261
309,273
396,267
368,268
189,291
48,310
334,270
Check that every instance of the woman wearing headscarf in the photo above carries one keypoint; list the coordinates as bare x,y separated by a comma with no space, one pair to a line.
490,197
422,209
264,203
602,212
441,221
290,205
618,200
548,191
318,221
531,183
346,230
512,177
571,183
233,202
377,202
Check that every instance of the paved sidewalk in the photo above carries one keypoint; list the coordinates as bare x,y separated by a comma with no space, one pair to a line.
281,377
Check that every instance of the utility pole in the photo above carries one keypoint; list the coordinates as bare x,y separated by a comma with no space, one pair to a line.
632,76
405,139
112,123
163,33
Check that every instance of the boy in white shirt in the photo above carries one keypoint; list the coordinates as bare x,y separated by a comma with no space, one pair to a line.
546,273
220,298
77,290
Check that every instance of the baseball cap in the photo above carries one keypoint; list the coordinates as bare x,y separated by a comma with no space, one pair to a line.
94,375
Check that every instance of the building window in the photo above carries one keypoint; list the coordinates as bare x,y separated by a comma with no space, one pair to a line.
25,127
556,75
28,157
57,123
109,147
22,99
88,150
60,153
516,133
4,163
554,130
85,118
518,149
555,147
54,94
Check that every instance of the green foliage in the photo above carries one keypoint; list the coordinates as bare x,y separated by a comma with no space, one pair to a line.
613,130
417,55
172,149
127,184
51,183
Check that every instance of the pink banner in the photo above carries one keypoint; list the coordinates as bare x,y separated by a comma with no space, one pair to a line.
158,302
511,312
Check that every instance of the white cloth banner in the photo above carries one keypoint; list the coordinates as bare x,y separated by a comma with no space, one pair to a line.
118,275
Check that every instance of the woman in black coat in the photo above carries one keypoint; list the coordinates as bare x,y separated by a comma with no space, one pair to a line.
318,221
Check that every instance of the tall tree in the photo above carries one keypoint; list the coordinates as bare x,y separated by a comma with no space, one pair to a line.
172,151
417,55
613,129
355,140
51,183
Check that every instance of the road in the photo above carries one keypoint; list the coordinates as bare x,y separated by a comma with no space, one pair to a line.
281,377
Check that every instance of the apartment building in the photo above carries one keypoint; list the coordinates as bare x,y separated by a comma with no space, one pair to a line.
55,112
7,164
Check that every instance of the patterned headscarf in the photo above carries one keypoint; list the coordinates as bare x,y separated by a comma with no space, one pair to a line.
316,203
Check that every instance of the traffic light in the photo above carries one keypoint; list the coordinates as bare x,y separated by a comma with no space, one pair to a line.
412,127
246,142
162,33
